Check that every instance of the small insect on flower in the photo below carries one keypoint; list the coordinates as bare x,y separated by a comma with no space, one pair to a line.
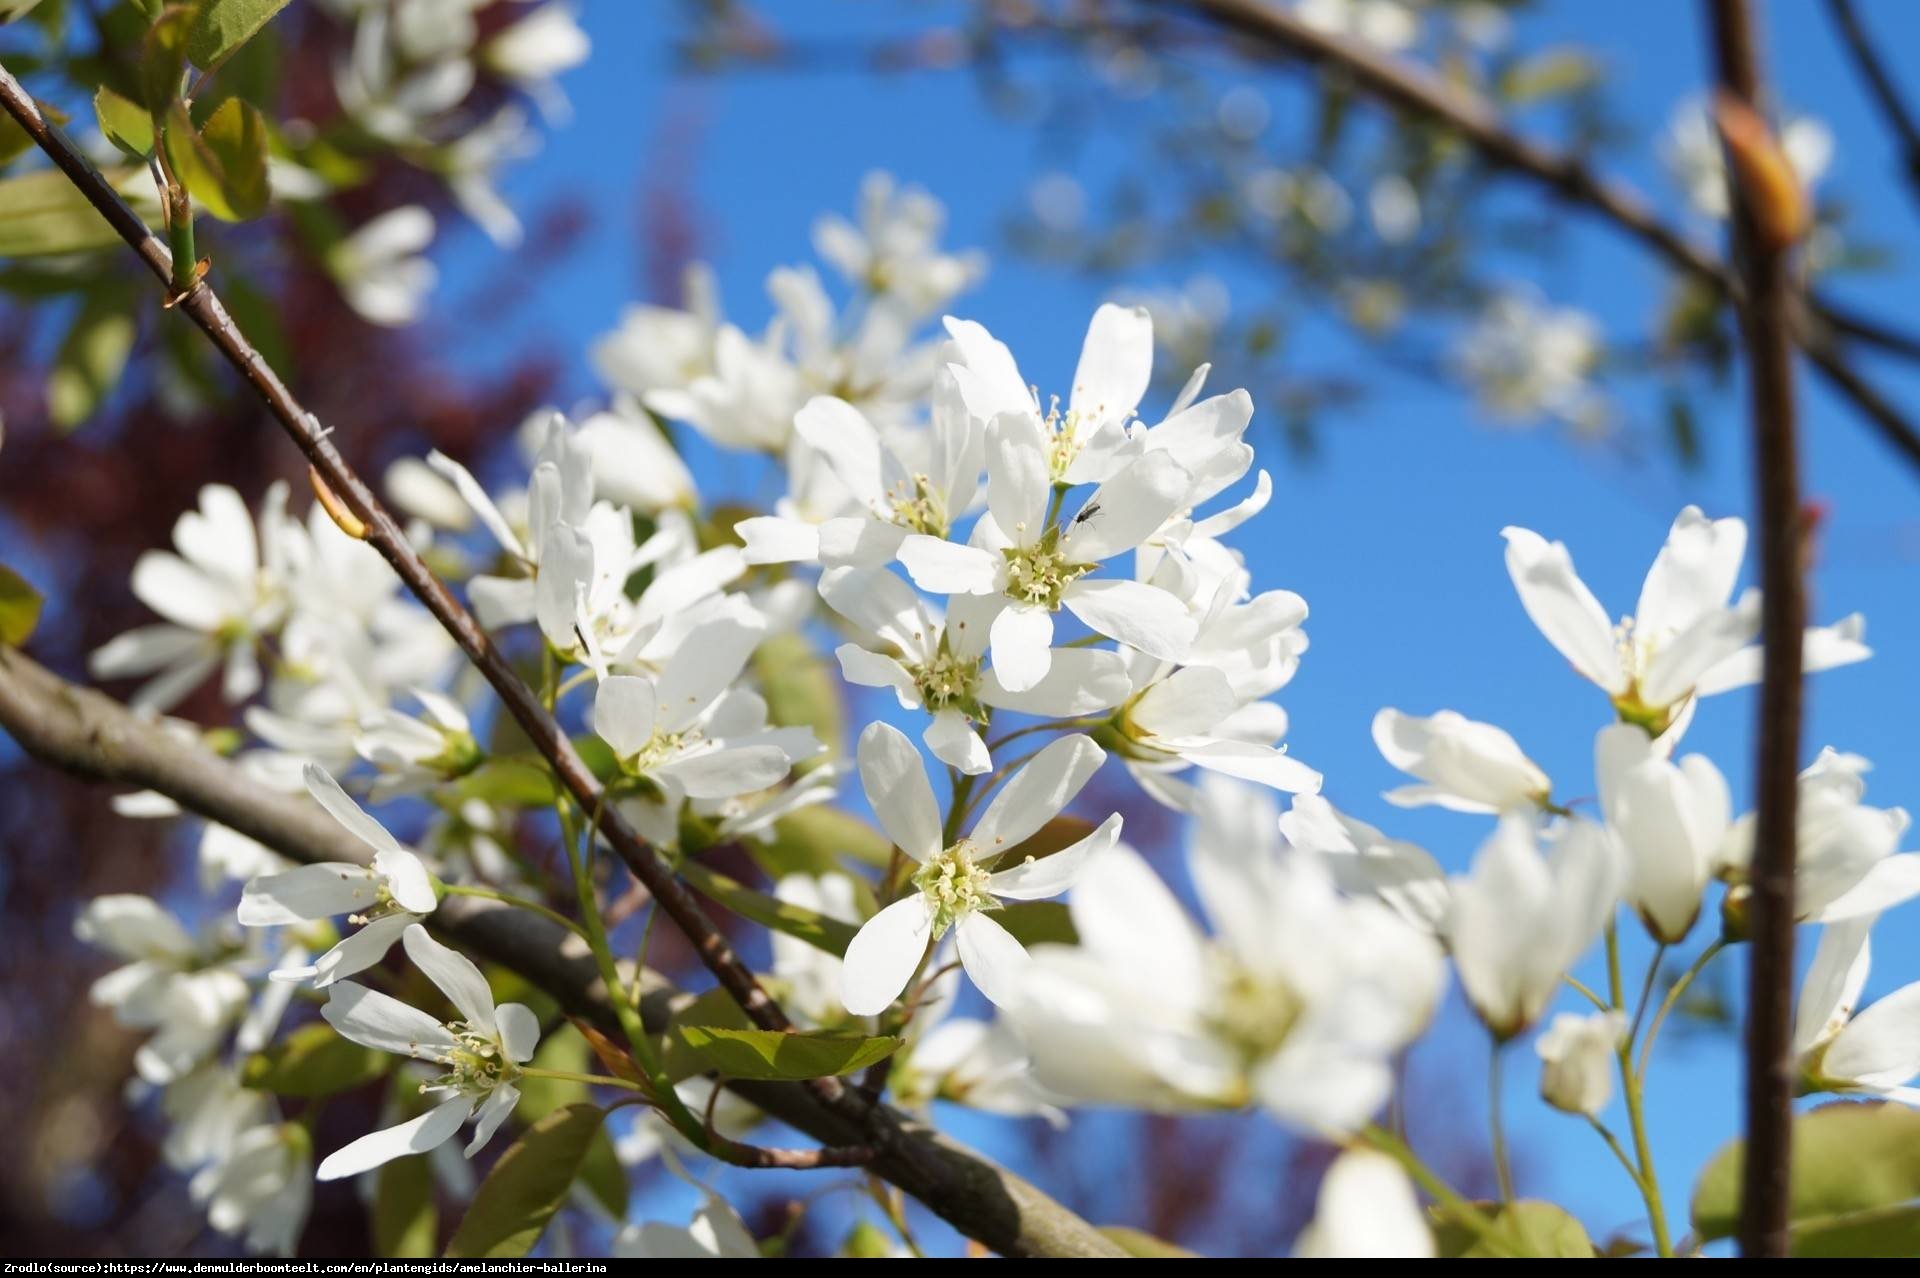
1087,512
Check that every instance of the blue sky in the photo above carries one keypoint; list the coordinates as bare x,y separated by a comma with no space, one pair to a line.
1392,533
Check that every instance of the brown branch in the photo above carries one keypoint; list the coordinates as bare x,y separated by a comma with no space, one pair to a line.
1414,91
1880,85
1764,258
89,735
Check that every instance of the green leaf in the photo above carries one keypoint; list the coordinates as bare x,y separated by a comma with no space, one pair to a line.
714,1007
768,1054
44,212
224,164
802,924
221,26
1527,1227
814,839
515,782
91,359
1852,1163
19,608
567,1051
1138,1242
406,1219
313,1061
125,122
801,692
527,1186
163,58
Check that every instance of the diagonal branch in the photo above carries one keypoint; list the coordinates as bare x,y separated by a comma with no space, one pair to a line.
1414,91
1765,261
89,735
1886,94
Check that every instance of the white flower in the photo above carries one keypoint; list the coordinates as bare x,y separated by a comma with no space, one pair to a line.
1670,819
470,163
1525,359
386,897
1517,924
425,494
811,975
936,664
408,65
482,1053
1299,1001
973,1063
1194,716
895,250
1366,862
1392,25
684,734
414,754
224,589
633,462
745,401
1039,567
1468,766
1874,1052
380,269
1577,1058
170,983
1685,638
262,1188
663,347
1846,865
1366,1208
1694,156
955,886
539,46
716,1231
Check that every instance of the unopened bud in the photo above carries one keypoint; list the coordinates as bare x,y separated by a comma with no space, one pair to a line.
348,522
1576,1060
1770,188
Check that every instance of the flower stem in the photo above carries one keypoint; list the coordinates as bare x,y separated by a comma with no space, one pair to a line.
1502,1166
1636,1114
1443,1194
1672,1000
591,1080
518,902
1613,1143
1585,991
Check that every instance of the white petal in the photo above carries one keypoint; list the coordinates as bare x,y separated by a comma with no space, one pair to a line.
309,892
724,773
407,879
1249,762
883,955
1831,988
1888,882
1017,477
1693,574
493,1111
1562,607
181,592
774,539
1050,876
1881,1046
623,713
519,1031
1036,793
955,743
360,951
373,1019
945,568
1127,509
708,660
1021,641
327,792
995,961
1186,703
1137,614
849,443
1116,363
1366,1209
878,601
897,787
872,670
1078,681
416,1136
475,496
1680,663
456,976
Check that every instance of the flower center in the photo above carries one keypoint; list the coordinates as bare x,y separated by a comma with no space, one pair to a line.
1040,574
1253,1013
478,1065
659,748
922,510
954,885
947,681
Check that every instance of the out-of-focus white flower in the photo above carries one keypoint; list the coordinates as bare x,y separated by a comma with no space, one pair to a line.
1366,1208
1193,717
1693,155
633,462
262,1188
664,347
955,886
1670,819
811,975
715,1232
184,989
408,64
223,590
975,1063
895,248
537,48
1467,766
1299,1001
1392,25
1875,1052
471,162
380,268
1577,1058
424,493
1525,359
1520,920
482,1054
1366,862
1686,637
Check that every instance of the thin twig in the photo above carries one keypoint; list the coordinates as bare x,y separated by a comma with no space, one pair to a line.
1413,90
1766,325
1885,93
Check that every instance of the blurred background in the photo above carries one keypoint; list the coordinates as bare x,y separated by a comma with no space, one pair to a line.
1436,349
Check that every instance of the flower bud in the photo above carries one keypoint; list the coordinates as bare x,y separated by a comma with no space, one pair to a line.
1576,1055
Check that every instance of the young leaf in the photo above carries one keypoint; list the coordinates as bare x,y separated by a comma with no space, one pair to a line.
91,358
313,1061
125,123
221,26
19,608
1850,1161
715,1007
527,1186
223,165
766,1054
163,58
802,924
516,782
406,1220
813,840
44,212
1525,1228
